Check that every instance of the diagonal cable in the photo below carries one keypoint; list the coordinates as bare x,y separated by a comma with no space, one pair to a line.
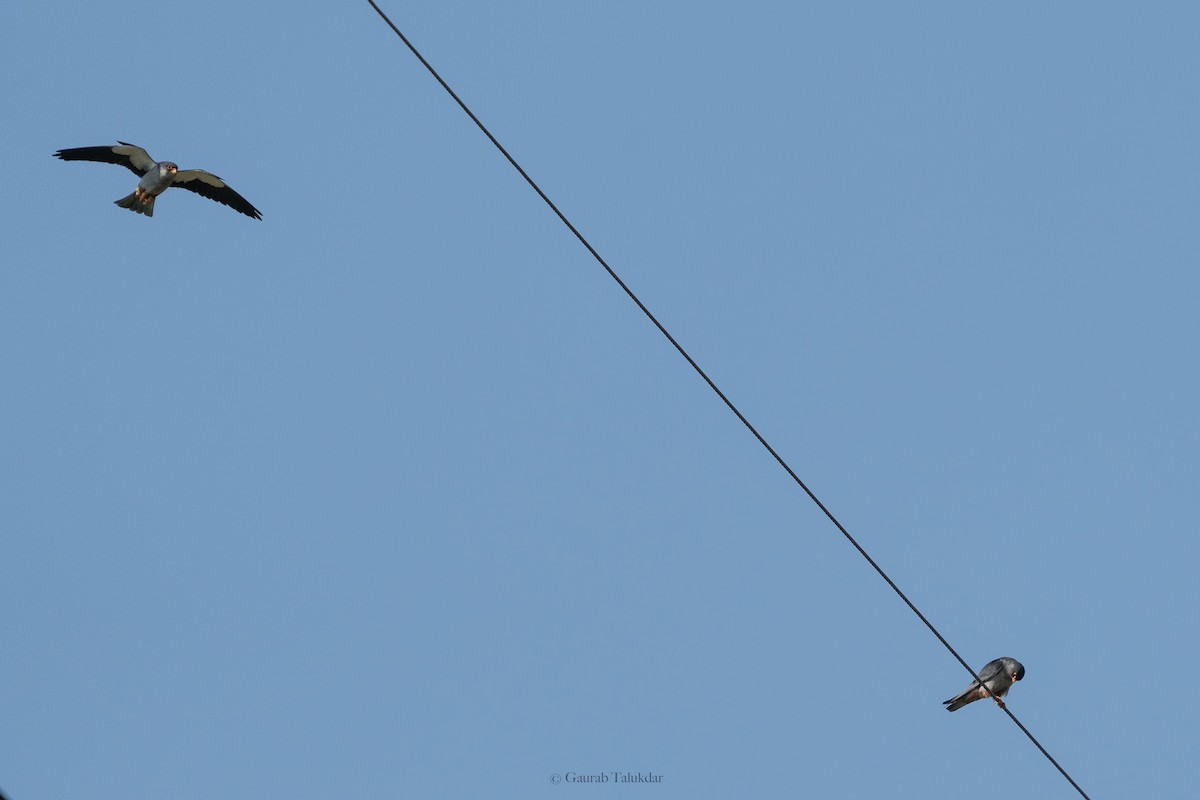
741,417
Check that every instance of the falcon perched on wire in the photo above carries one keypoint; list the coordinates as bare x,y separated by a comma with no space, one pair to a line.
998,676
158,176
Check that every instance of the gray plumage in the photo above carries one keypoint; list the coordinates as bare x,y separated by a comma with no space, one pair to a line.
158,176
998,676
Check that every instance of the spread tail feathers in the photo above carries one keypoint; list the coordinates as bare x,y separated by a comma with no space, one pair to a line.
140,202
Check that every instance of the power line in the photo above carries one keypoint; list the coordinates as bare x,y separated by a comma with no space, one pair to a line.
741,417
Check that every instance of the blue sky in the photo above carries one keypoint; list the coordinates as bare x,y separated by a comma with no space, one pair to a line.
394,493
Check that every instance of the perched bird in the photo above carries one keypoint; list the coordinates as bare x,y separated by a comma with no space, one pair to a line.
158,176
998,676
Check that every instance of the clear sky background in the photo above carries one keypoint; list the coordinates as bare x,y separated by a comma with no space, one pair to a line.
394,494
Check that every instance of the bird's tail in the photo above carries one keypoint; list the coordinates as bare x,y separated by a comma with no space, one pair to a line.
955,703
141,202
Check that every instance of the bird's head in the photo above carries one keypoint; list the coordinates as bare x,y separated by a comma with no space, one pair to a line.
1017,670
168,168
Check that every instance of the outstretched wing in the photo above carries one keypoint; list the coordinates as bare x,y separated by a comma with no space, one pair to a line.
208,185
126,154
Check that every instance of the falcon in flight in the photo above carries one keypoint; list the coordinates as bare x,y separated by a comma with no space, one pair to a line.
998,676
158,176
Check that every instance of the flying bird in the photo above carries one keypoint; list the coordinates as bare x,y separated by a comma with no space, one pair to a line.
998,675
158,176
